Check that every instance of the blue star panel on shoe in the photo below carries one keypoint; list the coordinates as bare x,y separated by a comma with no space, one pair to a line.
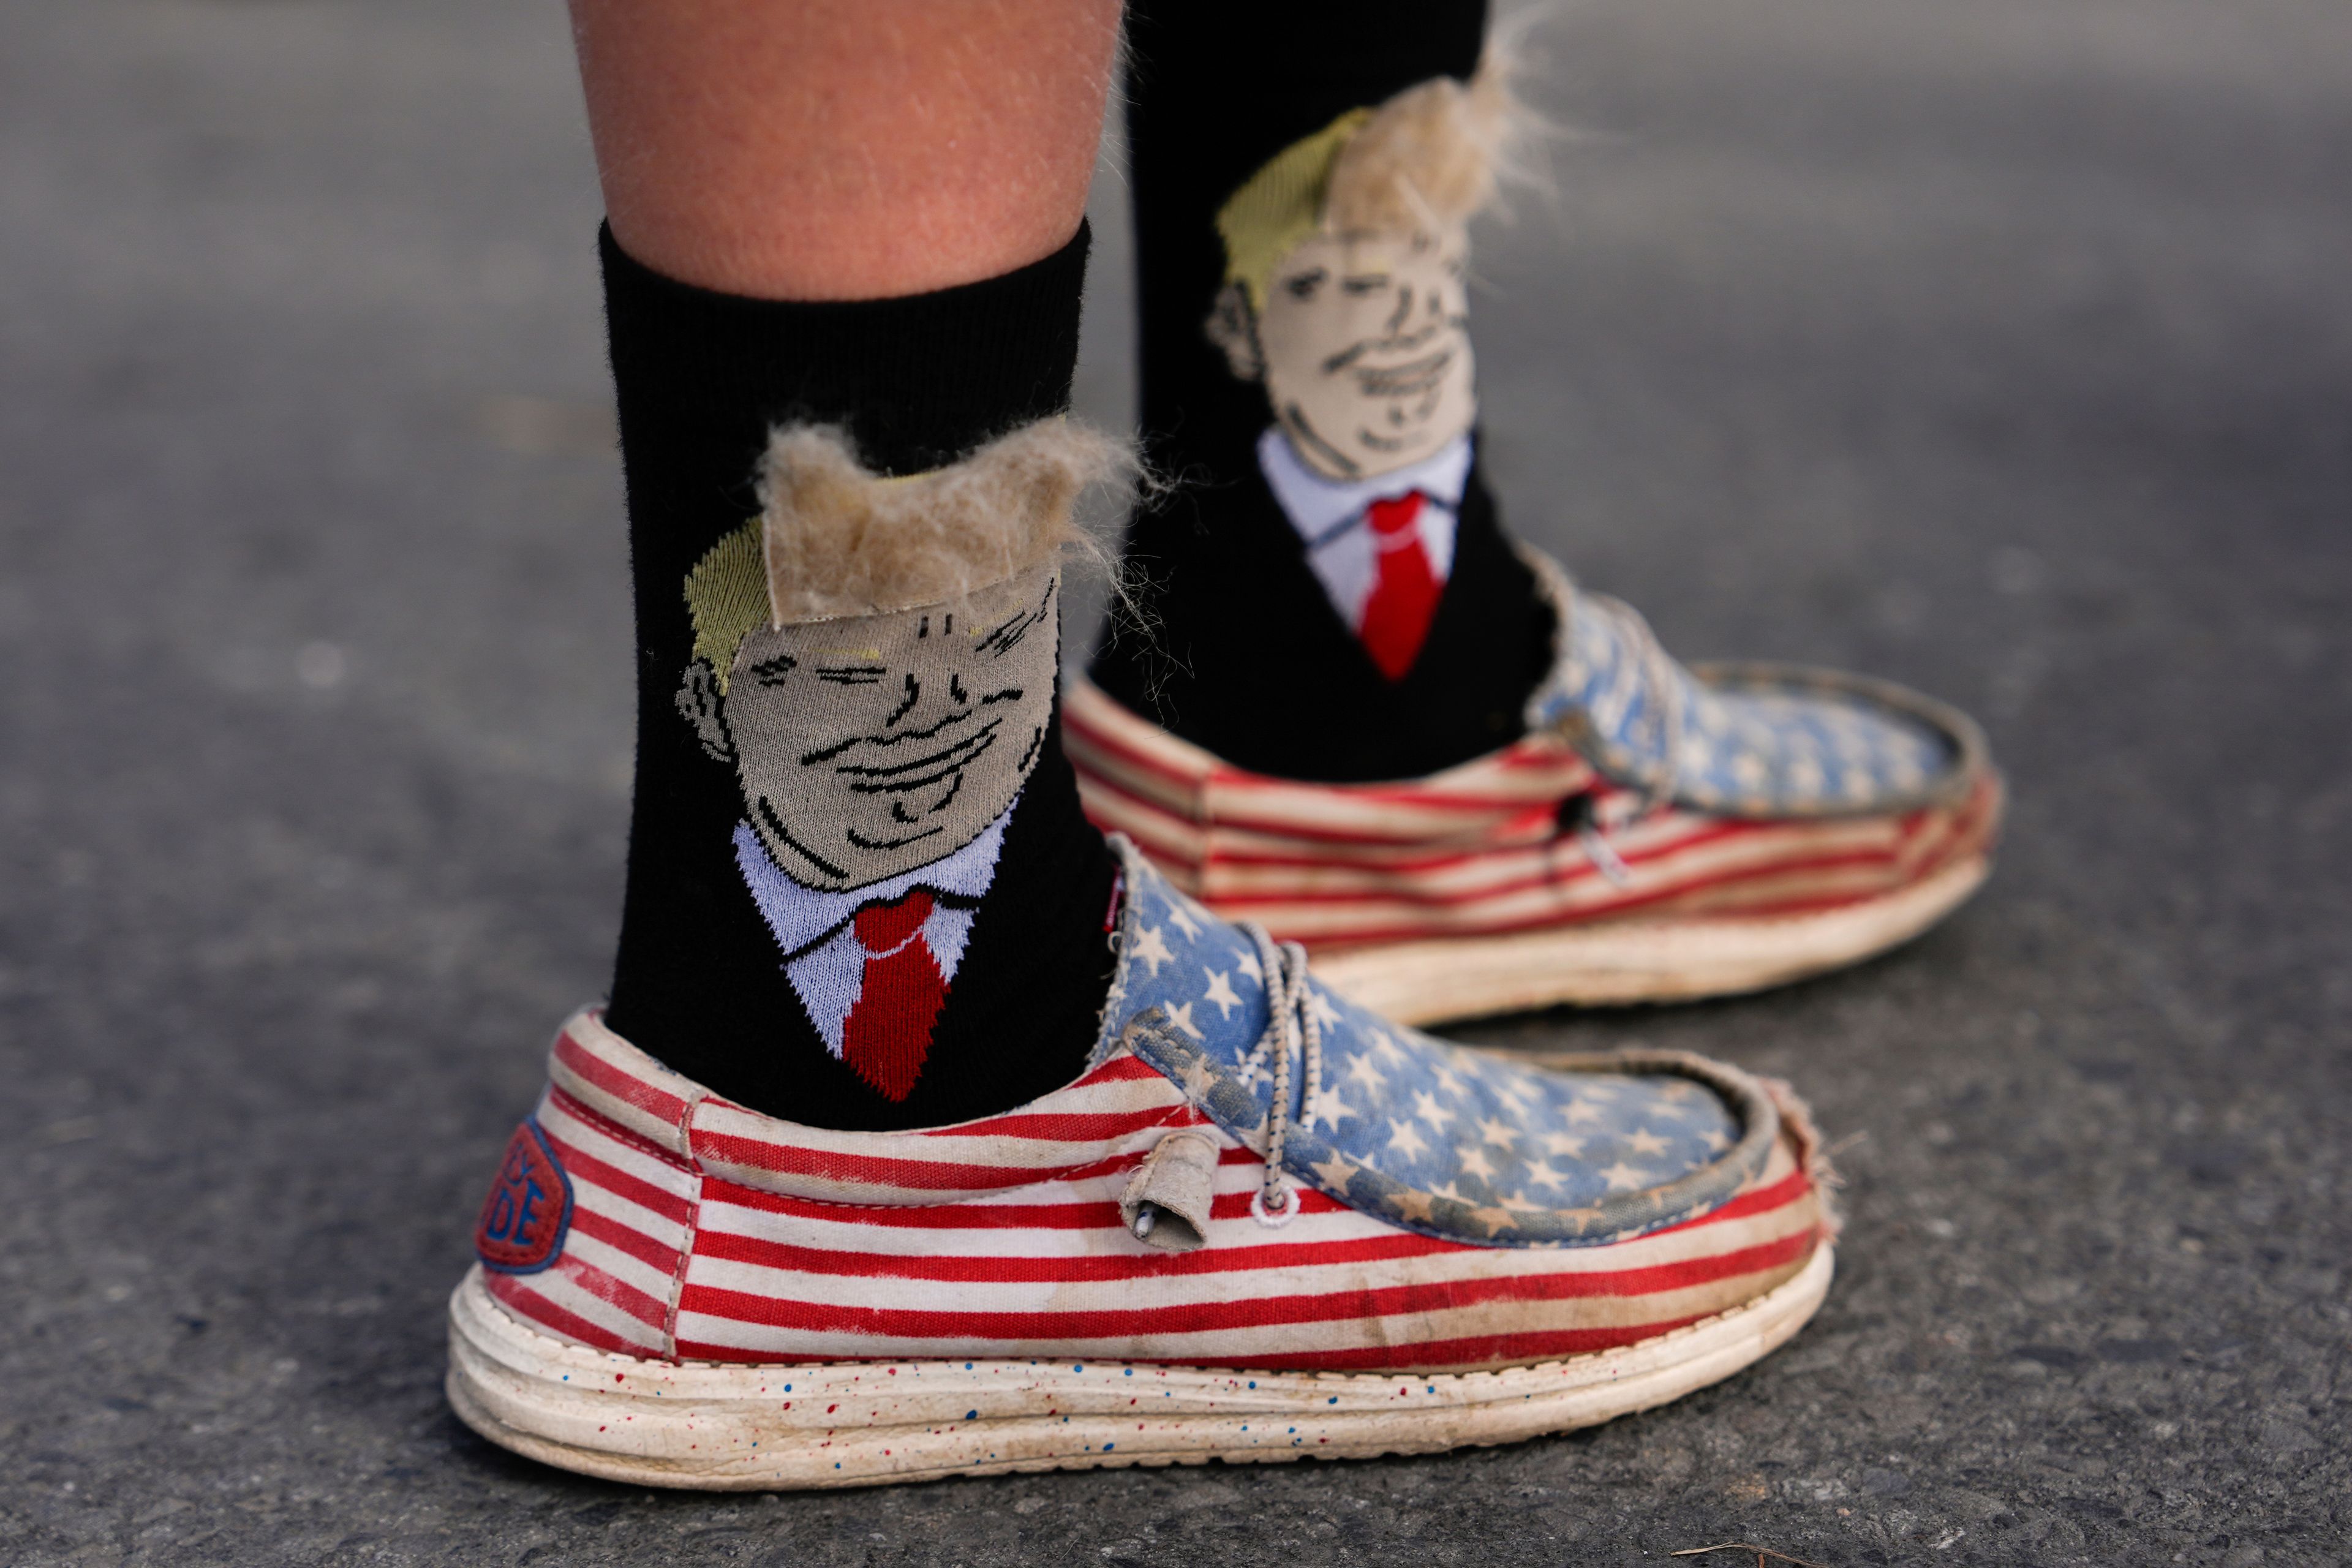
1745,740
1437,1138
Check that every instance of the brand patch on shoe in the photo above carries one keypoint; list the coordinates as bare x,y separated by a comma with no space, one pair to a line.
528,1209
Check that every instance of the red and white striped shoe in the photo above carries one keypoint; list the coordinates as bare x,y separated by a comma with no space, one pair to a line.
1659,834
1263,1224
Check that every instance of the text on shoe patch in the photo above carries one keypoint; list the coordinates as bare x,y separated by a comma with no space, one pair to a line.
528,1207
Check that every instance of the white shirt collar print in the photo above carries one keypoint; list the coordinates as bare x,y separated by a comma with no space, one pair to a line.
801,917
1318,507
822,957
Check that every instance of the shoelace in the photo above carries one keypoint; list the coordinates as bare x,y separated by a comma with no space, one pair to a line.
1289,1022
1662,681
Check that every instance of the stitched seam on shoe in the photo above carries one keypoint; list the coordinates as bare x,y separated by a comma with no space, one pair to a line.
693,1224
1107,1165
580,1109
678,1275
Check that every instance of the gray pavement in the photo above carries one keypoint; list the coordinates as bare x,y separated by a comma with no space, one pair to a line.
2000,346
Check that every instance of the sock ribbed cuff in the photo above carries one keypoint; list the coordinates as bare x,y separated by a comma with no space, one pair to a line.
917,382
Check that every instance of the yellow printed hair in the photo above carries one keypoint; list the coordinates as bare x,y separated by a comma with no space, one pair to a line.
726,597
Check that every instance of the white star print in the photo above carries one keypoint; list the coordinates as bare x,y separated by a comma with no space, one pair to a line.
1319,1009
1566,1143
1406,1140
1426,1107
1450,1081
1583,1111
1387,1047
1541,1175
1715,1141
1181,1017
1474,1159
1646,1142
1502,1134
1621,1176
1184,920
1220,991
1519,1090
1330,1108
1448,1191
1362,1070
1152,948
1247,965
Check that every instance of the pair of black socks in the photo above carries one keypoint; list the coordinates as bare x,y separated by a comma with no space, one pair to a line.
1246,657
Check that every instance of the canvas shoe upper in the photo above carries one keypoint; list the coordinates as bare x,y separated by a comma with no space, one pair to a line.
1752,741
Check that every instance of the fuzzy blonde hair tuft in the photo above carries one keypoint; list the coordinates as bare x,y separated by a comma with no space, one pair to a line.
834,540
1425,161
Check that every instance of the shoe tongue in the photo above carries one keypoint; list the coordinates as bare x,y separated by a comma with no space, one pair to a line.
881,927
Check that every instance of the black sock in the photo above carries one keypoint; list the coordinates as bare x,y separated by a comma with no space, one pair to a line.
1250,659
917,383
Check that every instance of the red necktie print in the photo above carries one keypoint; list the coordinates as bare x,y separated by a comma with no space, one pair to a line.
1398,610
889,1032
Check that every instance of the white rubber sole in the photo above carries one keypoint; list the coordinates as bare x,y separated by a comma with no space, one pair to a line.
747,1428
1616,963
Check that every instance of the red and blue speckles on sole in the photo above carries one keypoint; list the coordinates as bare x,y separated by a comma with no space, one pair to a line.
776,1427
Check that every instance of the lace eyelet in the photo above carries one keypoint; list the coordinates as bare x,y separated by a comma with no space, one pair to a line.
1273,1219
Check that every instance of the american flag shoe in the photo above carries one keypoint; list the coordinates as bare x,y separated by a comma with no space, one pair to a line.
1264,1223
1660,833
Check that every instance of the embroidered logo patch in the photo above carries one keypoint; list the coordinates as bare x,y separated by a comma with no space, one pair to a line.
528,1209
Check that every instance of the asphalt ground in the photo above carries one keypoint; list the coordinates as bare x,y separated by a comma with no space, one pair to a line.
1999,347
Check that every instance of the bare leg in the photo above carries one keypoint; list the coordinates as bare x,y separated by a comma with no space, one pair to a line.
843,148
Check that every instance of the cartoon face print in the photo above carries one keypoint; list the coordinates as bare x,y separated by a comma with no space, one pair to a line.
1364,347
865,748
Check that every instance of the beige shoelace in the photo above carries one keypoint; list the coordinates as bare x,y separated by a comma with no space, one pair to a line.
1289,1023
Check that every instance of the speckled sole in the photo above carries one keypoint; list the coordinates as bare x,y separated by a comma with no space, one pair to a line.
749,1428
1621,962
